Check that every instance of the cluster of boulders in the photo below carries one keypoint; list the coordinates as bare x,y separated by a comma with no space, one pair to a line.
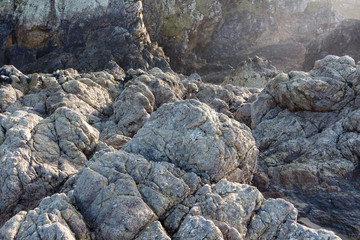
158,155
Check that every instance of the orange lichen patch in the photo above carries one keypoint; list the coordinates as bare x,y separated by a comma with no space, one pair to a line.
37,37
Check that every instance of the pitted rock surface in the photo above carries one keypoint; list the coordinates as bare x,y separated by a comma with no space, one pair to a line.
306,129
196,138
54,218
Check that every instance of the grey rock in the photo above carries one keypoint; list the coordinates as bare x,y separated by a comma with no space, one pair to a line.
254,72
38,155
54,218
142,96
121,193
197,227
305,126
230,210
196,138
154,231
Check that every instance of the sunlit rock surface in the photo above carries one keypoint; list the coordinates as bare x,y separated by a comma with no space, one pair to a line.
306,126
69,171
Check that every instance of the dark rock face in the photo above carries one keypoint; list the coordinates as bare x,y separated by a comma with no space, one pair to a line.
343,40
45,36
306,126
211,37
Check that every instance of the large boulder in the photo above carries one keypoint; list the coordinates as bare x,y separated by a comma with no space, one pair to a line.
305,126
196,138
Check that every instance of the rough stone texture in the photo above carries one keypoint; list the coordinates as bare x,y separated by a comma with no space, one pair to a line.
86,35
62,132
236,211
54,218
143,95
196,138
120,193
154,231
253,73
305,125
205,37
38,155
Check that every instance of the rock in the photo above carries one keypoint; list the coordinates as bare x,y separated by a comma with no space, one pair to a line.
38,155
8,96
143,95
254,73
326,88
54,218
137,192
154,231
207,39
343,40
44,37
230,210
305,128
196,138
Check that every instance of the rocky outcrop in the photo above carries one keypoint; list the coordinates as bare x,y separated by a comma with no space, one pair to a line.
210,36
51,35
195,138
306,128
343,40
252,73
54,218
68,170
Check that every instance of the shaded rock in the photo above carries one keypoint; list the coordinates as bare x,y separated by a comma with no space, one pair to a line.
305,128
54,218
44,36
254,72
120,193
195,138
343,40
154,231
8,96
205,37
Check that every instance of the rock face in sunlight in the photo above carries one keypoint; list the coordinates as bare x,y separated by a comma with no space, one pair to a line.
306,126
77,163
101,138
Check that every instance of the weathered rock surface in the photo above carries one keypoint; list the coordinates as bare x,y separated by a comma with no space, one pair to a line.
120,193
306,128
54,218
86,35
60,138
236,211
196,138
252,73
206,37
38,155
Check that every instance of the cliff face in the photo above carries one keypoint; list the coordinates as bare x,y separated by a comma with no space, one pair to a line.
49,35
208,37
